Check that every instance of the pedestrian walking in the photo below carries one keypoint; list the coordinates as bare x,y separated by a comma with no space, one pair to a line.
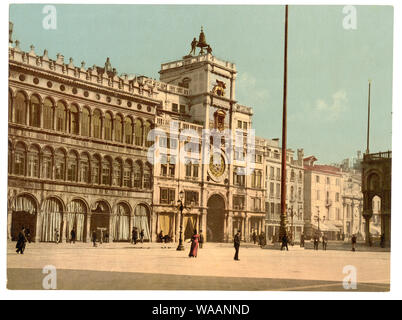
316,242
56,235
73,235
382,243
21,241
135,235
201,241
142,236
94,238
194,245
160,236
28,234
354,241
237,245
302,239
254,237
324,242
285,241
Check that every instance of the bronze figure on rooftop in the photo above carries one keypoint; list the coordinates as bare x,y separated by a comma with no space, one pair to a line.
201,43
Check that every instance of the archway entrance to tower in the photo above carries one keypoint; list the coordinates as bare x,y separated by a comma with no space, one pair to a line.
376,219
215,219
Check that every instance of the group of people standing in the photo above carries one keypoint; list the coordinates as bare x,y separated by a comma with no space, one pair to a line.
135,235
260,238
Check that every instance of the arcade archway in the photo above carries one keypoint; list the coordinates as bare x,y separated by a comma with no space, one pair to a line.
216,219
100,221
24,214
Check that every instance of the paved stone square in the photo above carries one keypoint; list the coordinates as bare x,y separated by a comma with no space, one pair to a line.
154,266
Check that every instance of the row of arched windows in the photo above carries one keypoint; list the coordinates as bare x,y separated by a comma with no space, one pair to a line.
74,166
60,117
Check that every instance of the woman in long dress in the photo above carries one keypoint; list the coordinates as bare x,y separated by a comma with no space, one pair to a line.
194,244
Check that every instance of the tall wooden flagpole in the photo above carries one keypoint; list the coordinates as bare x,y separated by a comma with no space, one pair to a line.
284,220
368,120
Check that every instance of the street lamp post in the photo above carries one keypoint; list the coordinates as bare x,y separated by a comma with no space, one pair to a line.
180,247
318,219
291,213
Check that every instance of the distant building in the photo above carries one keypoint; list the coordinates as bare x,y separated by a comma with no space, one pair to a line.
295,190
323,199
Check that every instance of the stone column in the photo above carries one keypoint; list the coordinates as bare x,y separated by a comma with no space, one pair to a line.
89,233
111,218
102,119
113,129
63,232
38,225
79,122
225,225
352,209
175,228
41,115
28,114
54,117
9,222
157,225
247,232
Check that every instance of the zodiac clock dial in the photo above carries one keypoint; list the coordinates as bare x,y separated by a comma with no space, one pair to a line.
217,168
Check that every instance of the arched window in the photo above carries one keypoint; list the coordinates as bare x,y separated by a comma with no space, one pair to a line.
48,114
142,221
117,171
75,219
106,171
128,131
137,174
20,108
60,165
10,106
72,166
74,120
33,162
85,122
118,133
20,159
138,132
61,116
34,112
47,166
84,168
128,167
97,124
108,126
51,220
147,176
147,129
95,169
121,223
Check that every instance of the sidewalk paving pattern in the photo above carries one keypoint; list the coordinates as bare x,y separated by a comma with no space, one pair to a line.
153,266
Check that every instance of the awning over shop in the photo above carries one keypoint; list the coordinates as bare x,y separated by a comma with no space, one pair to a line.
326,226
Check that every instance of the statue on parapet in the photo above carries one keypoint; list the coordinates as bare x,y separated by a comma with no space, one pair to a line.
193,46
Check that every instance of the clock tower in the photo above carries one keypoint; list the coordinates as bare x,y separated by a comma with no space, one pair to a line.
211,82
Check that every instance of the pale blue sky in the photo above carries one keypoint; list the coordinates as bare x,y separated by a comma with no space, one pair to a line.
328,66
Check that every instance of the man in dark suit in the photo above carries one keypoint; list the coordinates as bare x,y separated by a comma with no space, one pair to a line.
285,241
237,245
21,241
